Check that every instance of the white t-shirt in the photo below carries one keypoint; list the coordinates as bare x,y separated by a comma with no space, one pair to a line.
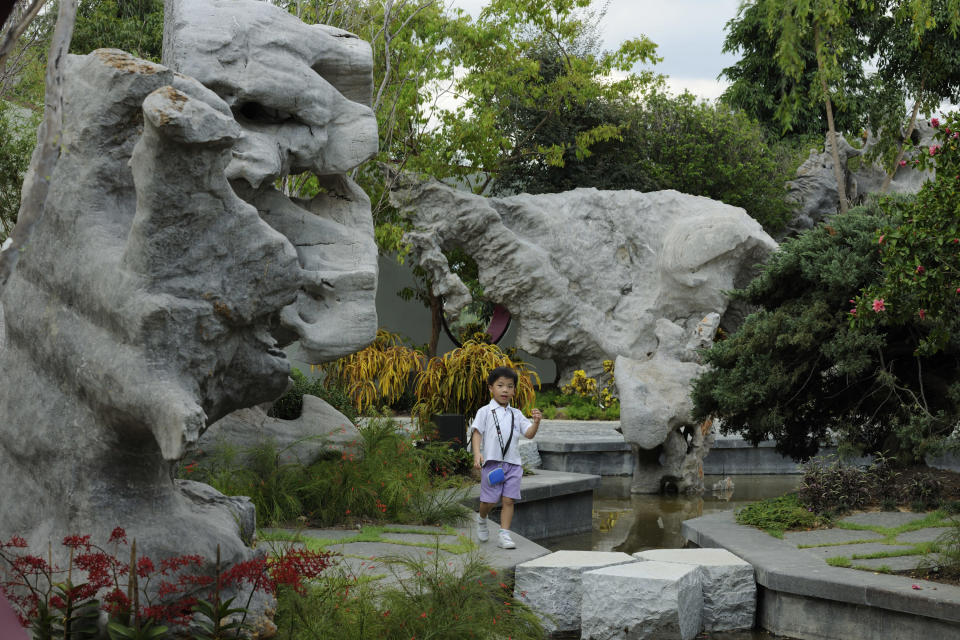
484,423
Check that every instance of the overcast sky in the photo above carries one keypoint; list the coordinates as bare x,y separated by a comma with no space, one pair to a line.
689,35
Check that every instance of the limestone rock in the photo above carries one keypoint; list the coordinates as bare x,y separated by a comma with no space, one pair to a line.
319,428
551,585
587,274
144,308
641,600
729,587
301,95
529,453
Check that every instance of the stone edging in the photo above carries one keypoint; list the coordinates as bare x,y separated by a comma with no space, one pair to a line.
782,567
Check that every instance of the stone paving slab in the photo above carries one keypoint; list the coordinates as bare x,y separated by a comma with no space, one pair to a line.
801,577
889,519
827,536
922,535
421,539
899,563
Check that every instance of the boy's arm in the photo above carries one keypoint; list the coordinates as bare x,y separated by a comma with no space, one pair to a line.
534,424
475,442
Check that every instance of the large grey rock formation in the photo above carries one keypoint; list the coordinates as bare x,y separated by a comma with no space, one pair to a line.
594,275
587,274
301,95
143,309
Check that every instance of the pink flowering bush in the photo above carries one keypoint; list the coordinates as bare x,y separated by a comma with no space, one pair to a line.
920,253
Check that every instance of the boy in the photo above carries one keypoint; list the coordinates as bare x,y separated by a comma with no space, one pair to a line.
495,446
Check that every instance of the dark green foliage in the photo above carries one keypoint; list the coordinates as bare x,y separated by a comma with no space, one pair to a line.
289,406
924,492
665,142
779,514
136,26
758,84
16,144
831,486
796,369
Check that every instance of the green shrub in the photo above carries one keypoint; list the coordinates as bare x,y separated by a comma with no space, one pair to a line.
797,372
386,479
428,599
779,514
831,486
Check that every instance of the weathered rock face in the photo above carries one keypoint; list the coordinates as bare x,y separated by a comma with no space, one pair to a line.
319,428
144,308
814,188
594,275
301,95
587,274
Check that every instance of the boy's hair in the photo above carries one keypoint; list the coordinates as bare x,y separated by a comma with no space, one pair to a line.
502,372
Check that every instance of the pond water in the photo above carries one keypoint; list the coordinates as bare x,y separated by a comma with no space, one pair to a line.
630,523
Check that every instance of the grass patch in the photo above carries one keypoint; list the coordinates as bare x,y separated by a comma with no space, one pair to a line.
428,599
776,515
840,561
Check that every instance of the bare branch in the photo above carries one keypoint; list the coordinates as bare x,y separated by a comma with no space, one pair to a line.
37,185
10,41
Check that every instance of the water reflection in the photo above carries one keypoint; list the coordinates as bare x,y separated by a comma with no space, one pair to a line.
629,523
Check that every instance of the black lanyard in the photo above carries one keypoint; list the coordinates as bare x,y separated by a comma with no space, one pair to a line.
496,422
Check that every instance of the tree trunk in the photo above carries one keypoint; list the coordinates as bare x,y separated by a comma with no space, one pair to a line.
37,184
896,163
838,171
436,308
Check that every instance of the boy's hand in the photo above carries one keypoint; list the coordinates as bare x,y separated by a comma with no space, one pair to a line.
477,462
536,415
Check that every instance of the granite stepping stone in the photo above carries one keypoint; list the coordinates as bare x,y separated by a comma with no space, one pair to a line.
551,584
729,587
642,600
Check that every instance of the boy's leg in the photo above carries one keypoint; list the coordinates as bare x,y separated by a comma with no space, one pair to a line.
487,507
506,512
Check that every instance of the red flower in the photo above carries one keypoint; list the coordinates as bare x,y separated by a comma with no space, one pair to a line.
118,535
922,313
920,268
878,305
75,542
934,122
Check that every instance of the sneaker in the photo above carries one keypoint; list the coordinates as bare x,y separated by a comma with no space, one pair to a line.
506,542
483,534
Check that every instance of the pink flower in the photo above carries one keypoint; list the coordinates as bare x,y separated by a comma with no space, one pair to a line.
933,150
915,586
880,241
853,311
922,313
934,122
956,134
920,268
878,305
903,163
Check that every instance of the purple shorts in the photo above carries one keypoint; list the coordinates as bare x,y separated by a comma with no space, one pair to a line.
509,488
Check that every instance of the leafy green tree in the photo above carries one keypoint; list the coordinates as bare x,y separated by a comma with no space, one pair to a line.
665,142
921,65
797,371
136,26
758,84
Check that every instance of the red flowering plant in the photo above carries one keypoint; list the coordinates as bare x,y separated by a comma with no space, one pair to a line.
141,602
919,252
